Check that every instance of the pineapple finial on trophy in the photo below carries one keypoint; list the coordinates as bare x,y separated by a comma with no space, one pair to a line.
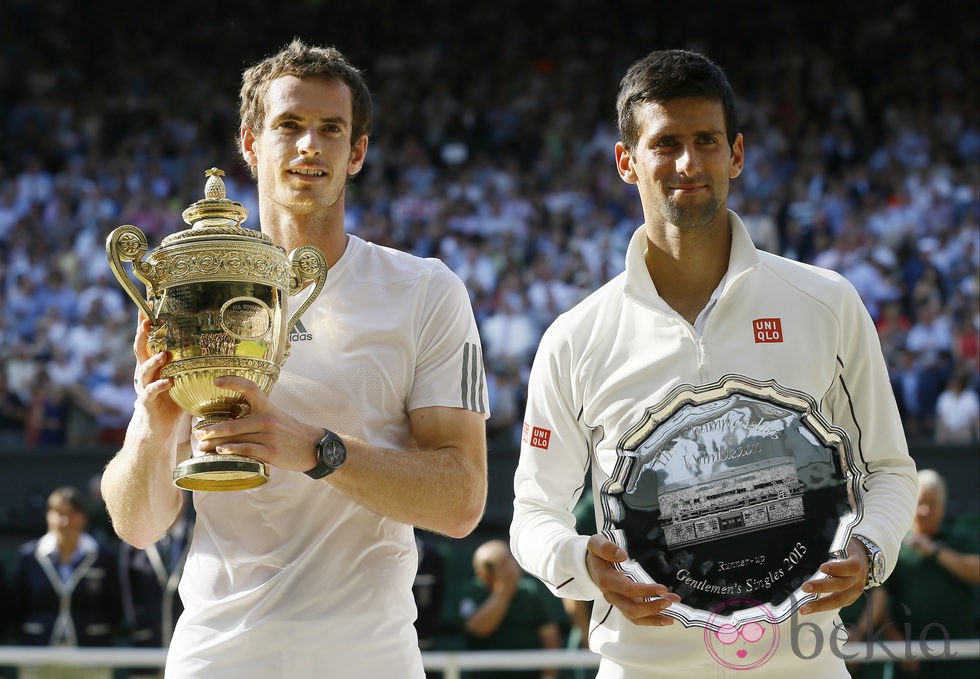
214,188
215,209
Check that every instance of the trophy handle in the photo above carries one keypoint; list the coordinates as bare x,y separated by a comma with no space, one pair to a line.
308,264
128,244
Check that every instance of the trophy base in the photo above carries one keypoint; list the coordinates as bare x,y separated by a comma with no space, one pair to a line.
221,472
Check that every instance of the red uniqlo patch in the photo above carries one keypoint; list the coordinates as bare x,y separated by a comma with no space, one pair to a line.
537,437
767,330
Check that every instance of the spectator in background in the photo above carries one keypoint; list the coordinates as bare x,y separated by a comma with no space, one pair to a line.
113,405
905,380
64,368
476,269
35,184
892,325
547,293
88,337
931,332
510,334
11,209
505,388
501,609
22,370
929,289
966,345
869,273
47,419
105,296
761,225
932,591
21,312
65,588
934,373
958,412
56,293
13,416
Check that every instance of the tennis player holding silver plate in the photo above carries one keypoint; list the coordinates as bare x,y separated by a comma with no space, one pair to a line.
731,410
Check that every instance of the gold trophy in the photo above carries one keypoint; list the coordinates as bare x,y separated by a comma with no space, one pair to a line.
216,299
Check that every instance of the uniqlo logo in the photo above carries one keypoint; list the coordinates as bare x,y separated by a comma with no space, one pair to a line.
767,330
536,437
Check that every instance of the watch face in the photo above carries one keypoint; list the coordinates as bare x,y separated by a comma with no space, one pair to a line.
334,453
878,567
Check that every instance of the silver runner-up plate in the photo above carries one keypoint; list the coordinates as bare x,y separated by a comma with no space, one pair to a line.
732,494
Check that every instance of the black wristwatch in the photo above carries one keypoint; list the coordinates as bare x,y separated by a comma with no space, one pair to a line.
330,454
876,562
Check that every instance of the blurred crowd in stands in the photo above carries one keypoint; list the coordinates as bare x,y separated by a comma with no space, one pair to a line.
493,151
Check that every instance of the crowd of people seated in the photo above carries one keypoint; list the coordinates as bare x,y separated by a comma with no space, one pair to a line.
862,147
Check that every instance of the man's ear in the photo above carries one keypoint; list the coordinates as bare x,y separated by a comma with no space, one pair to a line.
248,146
738,157
624,164
358,152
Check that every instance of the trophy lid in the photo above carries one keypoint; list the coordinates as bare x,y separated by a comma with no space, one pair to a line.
215,215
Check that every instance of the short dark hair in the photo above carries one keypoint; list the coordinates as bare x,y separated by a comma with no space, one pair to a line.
304,61
73,496
672,74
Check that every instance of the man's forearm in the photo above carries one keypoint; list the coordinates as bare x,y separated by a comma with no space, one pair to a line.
966,567
138,489
440,486
442,490
487,618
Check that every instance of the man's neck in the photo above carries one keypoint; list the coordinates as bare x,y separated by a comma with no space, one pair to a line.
686,266
290,231
67,546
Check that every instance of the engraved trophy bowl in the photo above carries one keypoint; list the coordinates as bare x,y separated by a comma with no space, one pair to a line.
216,297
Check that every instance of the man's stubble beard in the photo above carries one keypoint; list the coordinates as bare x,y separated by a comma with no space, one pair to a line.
694,216
310,205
